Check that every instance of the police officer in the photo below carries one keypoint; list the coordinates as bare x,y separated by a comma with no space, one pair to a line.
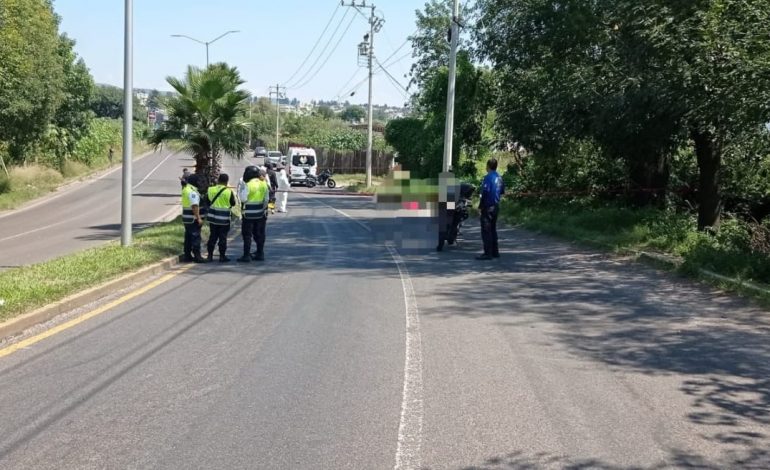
221,200
254,194
191,217
492,189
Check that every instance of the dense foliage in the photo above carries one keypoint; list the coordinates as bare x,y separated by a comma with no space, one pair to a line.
641,82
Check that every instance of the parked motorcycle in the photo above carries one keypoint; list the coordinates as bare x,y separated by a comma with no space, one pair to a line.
310,180
325,179
454,218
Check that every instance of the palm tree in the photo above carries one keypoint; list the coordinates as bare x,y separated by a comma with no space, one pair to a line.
206,117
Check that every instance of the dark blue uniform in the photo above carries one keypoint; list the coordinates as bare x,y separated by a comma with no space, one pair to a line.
492,189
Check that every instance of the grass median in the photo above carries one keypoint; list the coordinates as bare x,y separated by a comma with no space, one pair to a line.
737,250
27,288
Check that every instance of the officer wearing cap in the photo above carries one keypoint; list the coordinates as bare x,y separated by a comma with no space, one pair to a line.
191,217
254,194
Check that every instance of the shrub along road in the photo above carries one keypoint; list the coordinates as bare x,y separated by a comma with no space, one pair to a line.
550,357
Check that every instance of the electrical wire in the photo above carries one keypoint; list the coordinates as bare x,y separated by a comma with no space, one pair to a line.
352,77
318,41
382,67
334,49
331,38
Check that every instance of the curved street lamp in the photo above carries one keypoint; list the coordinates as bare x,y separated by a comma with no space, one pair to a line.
205,43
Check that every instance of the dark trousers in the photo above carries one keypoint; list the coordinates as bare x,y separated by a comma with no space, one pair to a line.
192,239
489,230
254,229
218,234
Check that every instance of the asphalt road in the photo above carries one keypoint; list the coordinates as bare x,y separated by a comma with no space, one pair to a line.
88,213
337,353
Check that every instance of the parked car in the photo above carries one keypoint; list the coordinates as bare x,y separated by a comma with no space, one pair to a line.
260,152
275,157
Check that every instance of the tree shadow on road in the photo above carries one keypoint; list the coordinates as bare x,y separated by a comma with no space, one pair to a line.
633,319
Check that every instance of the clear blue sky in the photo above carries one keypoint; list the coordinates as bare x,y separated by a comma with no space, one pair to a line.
275,37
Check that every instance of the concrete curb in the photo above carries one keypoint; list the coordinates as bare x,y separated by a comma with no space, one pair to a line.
18,325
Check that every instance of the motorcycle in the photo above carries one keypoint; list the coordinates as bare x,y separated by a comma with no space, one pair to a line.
310,180
455,217
325,179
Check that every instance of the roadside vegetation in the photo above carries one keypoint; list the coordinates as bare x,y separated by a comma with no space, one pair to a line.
56,124
27,288
618,125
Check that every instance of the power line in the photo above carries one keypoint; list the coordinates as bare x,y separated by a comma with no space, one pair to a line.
331,38
334,49
382,67
318,41
352,77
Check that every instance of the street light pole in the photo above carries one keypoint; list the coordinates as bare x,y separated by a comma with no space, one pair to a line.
128,133
205,43
450,100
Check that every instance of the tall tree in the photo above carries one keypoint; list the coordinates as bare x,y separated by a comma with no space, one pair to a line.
31,72
108,102
73,117
207,117
430,43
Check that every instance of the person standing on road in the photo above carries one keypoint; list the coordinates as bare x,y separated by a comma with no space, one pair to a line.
112,155
492,190
191,217
222,200
272,179
282,197
254,194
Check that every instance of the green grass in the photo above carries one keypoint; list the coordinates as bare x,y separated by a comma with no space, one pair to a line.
733,251
29,287
356,182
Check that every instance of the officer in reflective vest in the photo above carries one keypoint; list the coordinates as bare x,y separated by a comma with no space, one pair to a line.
221,200
254,194
191,217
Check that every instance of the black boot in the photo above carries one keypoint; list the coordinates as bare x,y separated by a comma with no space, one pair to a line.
245,259
210,257
198,258
259,256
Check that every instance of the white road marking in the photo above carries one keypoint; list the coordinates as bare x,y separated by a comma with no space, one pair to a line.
62,222
363,225
410,426
154,170
69,188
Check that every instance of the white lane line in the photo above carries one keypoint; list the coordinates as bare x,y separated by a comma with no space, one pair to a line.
154,170
23,234
74,186
410,426
363,225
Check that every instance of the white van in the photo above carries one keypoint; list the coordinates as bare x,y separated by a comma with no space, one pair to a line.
300,159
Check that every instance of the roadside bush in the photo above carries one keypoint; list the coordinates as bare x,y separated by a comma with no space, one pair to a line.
72,169
93,148
730,251
5,184
34,176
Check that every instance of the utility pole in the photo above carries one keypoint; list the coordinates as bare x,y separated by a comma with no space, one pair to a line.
450,98
280,92
128,121
375,25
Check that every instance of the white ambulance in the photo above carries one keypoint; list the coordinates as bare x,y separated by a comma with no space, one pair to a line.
300,159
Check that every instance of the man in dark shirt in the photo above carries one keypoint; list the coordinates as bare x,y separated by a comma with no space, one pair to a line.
492,189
